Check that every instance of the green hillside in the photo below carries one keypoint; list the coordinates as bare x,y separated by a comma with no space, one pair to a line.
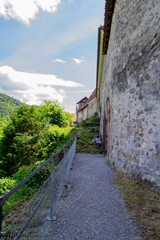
8,105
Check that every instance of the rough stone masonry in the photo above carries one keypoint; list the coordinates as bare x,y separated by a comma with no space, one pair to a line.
131,83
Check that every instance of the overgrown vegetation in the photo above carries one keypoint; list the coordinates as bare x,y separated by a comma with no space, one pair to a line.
143,205
32,134
29,138
8,105
88,130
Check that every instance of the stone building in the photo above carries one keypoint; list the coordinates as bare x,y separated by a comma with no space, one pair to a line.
80,113
87,107
129,87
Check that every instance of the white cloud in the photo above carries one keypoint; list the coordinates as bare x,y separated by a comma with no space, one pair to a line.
58,60
69,104
77,61
81,91
37,95
33,88
26,10
70,1
34,79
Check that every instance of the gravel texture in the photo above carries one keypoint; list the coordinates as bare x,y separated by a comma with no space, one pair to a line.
93,208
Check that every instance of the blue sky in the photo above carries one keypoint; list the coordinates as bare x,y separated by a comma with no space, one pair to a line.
48,49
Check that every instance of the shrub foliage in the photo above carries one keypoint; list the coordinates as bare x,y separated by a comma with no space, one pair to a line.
32,135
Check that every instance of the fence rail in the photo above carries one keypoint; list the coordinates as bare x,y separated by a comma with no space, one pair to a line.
33,222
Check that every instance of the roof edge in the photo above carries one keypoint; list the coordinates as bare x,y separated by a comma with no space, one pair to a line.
109,9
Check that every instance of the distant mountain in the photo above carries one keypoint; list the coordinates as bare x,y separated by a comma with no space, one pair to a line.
8,105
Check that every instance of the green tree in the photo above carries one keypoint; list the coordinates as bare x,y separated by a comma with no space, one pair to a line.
53,112
29,137
69,118
19,143
7,105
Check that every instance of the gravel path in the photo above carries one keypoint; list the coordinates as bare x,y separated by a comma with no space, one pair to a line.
93,208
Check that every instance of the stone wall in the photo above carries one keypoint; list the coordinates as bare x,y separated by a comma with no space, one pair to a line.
79,116
92,107
131,82
88,111
82,114
85,113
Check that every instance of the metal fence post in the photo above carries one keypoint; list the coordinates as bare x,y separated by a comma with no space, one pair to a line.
75,142
52,193
64,152
1,217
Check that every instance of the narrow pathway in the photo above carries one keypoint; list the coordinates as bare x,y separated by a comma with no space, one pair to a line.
93,208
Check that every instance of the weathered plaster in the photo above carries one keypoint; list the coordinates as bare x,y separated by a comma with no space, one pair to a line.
92,107
82,114
131,80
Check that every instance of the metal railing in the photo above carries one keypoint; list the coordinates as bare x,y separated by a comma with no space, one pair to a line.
34,221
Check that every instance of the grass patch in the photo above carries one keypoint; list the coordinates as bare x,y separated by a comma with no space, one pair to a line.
87,131
64,196
143,205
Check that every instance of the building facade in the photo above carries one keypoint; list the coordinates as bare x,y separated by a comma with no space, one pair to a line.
129,93
80,112
86,107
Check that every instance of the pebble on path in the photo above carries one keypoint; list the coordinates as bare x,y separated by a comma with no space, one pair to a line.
93,209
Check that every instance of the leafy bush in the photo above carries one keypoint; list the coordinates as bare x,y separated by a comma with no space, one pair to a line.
68,119
26,141
36,181
95,120
53,112
89,122
3,124
32,135
19,143
53,139
6,184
